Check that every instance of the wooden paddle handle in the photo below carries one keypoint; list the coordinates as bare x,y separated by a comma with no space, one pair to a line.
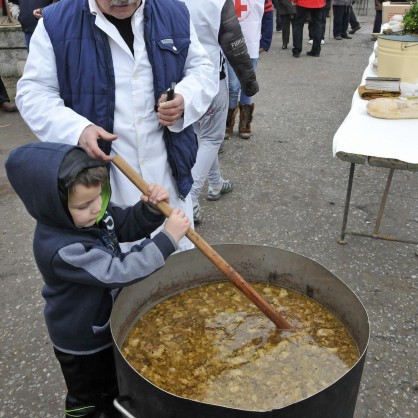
207,250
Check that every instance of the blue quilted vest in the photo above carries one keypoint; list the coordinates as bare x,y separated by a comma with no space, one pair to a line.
86,76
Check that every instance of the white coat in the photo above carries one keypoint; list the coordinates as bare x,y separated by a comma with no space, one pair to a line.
140,139
250,14
207,21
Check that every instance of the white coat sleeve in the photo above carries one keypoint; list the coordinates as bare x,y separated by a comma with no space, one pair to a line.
198,86
38,96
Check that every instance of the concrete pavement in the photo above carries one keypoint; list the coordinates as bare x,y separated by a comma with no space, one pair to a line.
289,192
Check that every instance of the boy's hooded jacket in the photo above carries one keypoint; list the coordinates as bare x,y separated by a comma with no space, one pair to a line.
83,268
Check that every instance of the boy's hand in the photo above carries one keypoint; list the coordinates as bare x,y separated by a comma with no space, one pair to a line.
155,194
177,224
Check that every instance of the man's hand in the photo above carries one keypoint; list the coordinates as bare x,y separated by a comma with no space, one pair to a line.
170,112
37,13
88,141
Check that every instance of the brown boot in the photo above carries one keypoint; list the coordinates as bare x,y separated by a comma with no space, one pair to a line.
230,122
245,119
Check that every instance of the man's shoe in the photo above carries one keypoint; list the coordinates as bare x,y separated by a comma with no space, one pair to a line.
338,38
197,216
347,37
354,30
221,148
284,46
227,186
296,54
8,107
311,54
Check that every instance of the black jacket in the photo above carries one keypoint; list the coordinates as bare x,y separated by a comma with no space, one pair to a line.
232,43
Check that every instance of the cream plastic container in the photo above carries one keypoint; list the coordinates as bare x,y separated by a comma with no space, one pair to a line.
397,56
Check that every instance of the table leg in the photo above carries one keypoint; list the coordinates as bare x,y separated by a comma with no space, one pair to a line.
375,232
347,203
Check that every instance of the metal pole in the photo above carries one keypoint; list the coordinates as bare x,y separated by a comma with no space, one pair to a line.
383,202
347,203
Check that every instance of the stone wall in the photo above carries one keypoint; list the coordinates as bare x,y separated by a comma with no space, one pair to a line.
13,51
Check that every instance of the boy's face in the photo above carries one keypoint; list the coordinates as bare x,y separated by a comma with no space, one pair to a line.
85,204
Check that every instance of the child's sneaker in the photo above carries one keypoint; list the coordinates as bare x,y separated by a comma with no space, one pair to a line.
197,217
227,186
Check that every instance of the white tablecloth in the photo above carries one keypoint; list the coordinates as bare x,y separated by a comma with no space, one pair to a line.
373,137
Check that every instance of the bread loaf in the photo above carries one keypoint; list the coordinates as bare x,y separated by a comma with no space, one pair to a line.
399,108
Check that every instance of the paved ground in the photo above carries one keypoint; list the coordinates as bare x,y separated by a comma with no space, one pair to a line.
289,192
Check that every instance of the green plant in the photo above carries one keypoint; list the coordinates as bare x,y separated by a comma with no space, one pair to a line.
410,20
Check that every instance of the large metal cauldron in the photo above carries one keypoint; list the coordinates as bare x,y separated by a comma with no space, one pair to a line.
141,399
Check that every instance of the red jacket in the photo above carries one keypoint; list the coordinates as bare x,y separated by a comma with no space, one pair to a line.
311,4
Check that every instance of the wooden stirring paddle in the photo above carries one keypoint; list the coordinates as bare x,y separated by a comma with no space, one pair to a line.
207,250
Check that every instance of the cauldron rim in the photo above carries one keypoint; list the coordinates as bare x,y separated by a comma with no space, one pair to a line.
355,367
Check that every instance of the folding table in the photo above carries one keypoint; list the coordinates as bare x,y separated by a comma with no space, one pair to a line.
389,143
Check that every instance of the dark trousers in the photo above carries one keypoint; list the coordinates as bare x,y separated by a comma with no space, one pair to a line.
325,12
353,19
341,18
91,384
377,25
301,14
287,20
278,21
27,39
4,97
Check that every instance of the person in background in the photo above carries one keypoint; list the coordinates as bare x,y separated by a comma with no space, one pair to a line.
287,11
377,24
5,103
341,10
313,9
76,248
354,24
115,98
220,34
256,20
278,16
325,14
28,14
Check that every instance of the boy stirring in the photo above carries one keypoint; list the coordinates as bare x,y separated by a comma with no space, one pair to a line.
76,248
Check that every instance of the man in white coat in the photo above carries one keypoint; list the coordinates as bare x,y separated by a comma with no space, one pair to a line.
220,33
137,129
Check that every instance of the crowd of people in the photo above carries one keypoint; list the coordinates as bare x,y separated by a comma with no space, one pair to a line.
293,14
160,83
